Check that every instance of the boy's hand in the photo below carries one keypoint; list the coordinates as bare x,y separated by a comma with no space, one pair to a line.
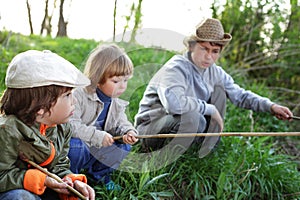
61,188
107,140
58,187
84,189
129,138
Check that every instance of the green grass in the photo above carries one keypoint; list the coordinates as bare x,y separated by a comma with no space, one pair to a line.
239,168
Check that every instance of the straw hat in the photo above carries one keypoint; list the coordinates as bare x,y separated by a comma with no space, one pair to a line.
34,68
210,30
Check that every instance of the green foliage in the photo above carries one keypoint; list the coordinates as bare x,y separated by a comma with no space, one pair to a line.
5,59
240,168
264,47
75,51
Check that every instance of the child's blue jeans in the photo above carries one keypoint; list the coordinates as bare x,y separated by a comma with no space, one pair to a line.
99,162
23,194
18,194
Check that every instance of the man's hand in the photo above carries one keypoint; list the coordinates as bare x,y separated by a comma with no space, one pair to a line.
281,112
217,117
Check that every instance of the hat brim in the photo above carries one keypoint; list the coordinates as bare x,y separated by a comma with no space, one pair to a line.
226,38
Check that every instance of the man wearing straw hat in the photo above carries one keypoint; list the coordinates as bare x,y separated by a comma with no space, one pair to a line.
188,94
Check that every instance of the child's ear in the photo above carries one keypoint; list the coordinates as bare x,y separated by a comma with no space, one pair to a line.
41,112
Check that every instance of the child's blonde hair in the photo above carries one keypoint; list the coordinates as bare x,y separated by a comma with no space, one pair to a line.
104,62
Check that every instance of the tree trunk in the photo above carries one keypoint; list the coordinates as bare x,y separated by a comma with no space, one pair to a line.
29,17
46,24
292,31
128,18
62,25
115,13
137,22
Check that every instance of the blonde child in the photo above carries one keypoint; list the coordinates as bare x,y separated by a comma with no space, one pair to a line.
35,108
100,114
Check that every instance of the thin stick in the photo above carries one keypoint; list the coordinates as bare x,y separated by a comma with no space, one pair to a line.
215,134
295,117
56,178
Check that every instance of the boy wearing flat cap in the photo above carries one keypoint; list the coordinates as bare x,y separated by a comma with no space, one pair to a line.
35,109
188,94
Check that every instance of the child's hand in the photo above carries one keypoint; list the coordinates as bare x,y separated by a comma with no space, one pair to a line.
129,137
84,189
107,140
58,187
61,188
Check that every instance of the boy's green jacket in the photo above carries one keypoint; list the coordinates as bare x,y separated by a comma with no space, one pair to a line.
49,151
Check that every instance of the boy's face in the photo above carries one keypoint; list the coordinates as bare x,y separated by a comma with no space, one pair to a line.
204,54
114,86
61,111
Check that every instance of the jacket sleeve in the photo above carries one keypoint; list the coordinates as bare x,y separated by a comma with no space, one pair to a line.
244,98
13,171
38,185
117,122
85,130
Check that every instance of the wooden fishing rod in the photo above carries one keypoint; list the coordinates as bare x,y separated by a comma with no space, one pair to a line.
295,117
55,177
58,179
245,134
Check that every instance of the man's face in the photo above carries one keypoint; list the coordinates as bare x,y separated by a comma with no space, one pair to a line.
204,54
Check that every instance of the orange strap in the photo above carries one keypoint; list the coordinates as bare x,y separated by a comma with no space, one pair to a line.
43,128
51,157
